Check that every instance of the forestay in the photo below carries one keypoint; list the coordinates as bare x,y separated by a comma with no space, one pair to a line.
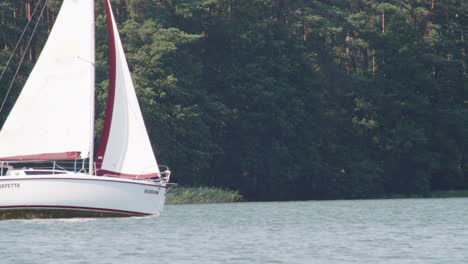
52,118
125,149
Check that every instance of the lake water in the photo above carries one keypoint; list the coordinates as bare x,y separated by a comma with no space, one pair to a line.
369,231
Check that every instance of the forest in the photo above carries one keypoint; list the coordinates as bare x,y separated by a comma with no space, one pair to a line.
284,99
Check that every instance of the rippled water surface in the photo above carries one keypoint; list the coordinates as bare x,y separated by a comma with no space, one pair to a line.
372,231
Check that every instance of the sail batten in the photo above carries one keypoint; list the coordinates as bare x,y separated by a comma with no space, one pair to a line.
125,149
50,118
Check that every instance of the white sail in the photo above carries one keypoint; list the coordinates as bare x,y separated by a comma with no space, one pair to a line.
125,149
51,118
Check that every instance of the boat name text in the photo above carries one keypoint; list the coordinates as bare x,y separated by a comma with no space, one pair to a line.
151,191
10,186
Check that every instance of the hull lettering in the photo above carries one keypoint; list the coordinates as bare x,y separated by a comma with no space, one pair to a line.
10,186
152,191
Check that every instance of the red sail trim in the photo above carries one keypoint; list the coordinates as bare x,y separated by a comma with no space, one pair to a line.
129,176
46,156
111,96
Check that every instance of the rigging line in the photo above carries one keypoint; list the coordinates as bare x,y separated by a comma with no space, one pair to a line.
19,40
22,58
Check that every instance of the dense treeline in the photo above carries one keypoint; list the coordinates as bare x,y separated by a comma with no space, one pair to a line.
283,99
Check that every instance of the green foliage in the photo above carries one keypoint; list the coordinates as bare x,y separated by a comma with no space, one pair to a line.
293,99
200,195
450,194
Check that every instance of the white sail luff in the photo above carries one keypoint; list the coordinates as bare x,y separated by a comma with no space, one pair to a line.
51,119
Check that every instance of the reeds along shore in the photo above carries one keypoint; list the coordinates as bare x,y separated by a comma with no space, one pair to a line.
201,195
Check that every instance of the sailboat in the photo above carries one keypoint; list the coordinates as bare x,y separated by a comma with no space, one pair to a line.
53,120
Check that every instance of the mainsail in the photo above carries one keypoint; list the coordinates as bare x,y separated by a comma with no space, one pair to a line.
125,149
53,116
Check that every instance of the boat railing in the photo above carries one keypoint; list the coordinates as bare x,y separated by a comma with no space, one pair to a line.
38,167
63,167
163,176
165,173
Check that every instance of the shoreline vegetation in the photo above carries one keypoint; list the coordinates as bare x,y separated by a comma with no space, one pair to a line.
202,195
450,194
205,195
433,194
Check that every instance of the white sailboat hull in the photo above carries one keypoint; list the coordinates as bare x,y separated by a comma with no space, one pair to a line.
64,78
78,195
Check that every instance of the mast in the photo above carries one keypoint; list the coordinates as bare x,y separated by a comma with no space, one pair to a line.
92,94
